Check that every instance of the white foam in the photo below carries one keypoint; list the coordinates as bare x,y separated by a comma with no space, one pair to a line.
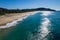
46,13
13,23
44,31
43,28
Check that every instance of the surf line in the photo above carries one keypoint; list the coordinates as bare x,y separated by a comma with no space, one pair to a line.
15,22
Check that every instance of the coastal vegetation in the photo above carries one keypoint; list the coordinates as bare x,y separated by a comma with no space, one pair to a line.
5,10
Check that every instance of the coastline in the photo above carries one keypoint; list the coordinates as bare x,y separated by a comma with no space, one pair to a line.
12,18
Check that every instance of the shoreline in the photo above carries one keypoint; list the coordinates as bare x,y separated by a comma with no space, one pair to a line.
9,20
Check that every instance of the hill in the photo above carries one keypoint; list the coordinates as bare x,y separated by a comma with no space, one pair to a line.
5,10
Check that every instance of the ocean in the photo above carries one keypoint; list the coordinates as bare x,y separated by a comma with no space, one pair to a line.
43,25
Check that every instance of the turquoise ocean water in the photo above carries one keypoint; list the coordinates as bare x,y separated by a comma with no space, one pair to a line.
40,26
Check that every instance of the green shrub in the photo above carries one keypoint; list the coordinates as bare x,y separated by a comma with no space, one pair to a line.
2,13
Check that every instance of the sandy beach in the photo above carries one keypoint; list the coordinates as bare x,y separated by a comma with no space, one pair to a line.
4,19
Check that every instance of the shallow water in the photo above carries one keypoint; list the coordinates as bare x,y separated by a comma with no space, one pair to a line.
40,26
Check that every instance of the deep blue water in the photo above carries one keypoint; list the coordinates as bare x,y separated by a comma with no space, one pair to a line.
40,26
